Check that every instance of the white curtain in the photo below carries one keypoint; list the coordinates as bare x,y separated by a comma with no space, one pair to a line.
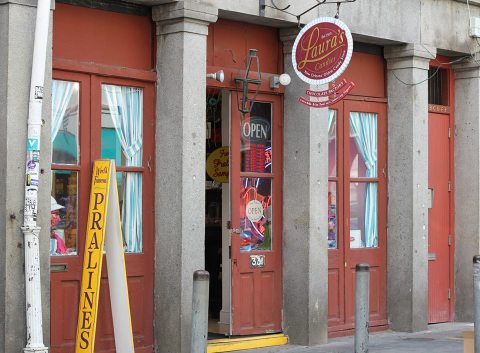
126,109
61,94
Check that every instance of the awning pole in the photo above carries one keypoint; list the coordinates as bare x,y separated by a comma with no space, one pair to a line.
30,229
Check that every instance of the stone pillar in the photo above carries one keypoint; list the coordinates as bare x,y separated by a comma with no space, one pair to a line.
467,184
17,27
182,29
407,252
305,251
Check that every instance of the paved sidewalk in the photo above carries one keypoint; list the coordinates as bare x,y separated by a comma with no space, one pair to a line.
439,338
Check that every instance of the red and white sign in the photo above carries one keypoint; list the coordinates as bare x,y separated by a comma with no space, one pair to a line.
322,50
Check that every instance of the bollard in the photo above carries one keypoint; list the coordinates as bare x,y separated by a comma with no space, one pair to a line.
476,301
201,281
362,298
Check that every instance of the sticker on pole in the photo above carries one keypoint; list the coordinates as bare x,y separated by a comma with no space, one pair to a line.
322,50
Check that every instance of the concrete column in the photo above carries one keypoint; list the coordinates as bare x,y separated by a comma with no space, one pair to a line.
305,251
182,29
467,184
407,252
17,27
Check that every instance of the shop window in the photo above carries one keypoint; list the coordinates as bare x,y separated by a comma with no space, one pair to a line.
65,154
438,86
361,179
121,140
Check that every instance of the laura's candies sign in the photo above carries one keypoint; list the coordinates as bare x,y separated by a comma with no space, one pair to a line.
321,53
104,227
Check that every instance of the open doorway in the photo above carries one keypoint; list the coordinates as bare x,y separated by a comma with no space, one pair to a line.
217,203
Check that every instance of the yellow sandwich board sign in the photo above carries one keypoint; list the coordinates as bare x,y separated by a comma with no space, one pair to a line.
104,227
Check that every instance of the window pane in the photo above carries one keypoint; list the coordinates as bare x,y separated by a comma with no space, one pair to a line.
256,139
130,198
64,213
256,214
332,142
332,215
122,125
65,122
363,215
363,145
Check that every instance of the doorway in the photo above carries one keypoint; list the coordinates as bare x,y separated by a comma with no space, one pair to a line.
217,210
86,109
356,209
441,195
243,249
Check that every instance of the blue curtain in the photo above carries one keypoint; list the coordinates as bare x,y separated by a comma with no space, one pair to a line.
126,109
61,94
364,128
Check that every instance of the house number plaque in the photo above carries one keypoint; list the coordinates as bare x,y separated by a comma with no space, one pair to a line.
257,261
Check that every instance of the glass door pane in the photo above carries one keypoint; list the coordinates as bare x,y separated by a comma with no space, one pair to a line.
363,215
256,139
363,145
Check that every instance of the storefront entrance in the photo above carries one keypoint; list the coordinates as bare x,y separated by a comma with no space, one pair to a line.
254,235
357,209
256,194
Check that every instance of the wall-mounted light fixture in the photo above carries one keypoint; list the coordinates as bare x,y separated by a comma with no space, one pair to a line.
219,76
242,84
276,81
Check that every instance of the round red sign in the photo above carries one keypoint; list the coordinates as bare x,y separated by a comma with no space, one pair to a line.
322,50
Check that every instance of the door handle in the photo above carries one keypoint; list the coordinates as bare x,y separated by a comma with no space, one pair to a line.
58,267
431,194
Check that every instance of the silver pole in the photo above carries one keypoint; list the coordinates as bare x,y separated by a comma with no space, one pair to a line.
201,280
30,229
476,301
362,298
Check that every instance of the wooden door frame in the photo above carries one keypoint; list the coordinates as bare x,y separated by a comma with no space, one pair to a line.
90,104
277,191
343,178
442,62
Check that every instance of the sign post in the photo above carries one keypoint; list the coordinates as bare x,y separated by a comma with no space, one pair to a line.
104,227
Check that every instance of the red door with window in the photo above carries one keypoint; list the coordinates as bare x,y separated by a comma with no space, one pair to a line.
97,117
357,209
256,194
441,191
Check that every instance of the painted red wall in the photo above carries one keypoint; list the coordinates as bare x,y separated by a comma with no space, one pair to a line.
102,37
367,71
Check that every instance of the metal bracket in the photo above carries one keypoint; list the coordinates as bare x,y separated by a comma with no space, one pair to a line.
263,5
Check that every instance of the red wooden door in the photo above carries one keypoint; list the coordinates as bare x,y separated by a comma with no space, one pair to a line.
439,241
85,134
357,209
256,194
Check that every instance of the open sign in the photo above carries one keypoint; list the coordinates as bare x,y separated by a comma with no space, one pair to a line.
256,130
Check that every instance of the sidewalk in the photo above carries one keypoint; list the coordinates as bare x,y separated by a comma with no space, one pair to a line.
439,338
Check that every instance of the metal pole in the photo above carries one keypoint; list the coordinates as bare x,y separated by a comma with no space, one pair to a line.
30,229
476,301
362,298
201,280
